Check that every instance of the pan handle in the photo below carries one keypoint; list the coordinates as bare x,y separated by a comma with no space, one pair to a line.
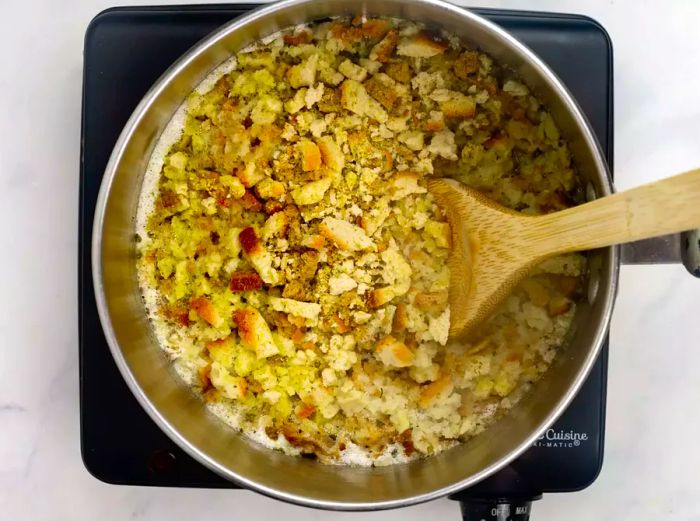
668,249
690,251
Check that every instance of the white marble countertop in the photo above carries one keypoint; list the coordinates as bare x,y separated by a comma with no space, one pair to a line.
652,453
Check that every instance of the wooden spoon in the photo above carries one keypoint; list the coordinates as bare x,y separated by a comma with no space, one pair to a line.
494,248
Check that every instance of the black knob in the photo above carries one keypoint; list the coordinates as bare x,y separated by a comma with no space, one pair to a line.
501,509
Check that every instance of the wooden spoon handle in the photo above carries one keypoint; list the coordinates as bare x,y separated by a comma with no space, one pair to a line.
667,206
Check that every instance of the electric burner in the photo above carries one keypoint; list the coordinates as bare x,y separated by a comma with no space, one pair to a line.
126,50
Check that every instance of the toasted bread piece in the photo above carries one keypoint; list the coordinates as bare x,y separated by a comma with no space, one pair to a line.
206,310
311,193
352,71
254,332
345,235
232,387
259,257
431,391
307,310
382,51
250,175
380,296
270,189
382,90
315,241
398,71
310,155
304,74
421,45
404,184
331,154
354,97
394,353
245,281
275,226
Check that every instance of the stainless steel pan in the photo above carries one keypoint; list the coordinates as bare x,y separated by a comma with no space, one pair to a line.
182,415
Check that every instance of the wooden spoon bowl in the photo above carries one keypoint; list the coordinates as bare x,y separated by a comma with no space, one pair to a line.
494,248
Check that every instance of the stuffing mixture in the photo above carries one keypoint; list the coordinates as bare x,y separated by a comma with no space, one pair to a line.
294,264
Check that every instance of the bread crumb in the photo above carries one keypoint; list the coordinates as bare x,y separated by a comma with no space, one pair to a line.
443,145
341,284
